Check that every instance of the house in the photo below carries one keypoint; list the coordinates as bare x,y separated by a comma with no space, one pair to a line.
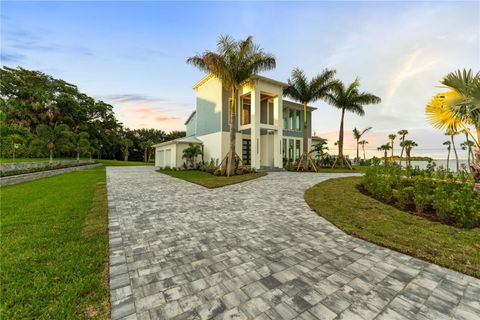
269,129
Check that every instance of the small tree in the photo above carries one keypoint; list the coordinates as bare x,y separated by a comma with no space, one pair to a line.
14,134
402,133
191,153
468,146
363,143
385,148
146,146
53,138
357,135
392,137
408,145
320,148
126,144
81,143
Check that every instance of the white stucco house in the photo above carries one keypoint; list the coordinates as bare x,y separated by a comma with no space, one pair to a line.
269,128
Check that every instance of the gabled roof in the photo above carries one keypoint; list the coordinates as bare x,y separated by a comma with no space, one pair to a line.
179,140
256,77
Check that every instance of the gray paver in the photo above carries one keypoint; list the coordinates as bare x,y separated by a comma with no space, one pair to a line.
256,251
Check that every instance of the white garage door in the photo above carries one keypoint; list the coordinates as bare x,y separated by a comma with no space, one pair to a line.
161,158
168,157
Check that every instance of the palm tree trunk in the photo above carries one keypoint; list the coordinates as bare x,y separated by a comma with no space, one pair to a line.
78,155
145,155
358,156
363,149
456,155
13,155
448,157
305,137
340,137
385,156
51,156
392,150
231,152
401,152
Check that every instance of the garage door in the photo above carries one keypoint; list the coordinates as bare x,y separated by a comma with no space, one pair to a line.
161,158
168,157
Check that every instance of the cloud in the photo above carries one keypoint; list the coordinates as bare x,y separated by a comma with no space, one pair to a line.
165,118
6,57
132,98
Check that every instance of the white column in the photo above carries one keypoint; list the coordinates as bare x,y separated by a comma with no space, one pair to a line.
255,131
278,135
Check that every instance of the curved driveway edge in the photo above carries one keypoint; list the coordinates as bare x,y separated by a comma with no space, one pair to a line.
255,250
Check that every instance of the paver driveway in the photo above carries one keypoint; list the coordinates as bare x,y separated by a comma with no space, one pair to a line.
255,250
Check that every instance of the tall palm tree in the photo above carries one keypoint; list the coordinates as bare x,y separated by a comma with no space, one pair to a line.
307,91
451,134
468,146
448,143
80,141
408,145
52,138
363,143
392,137
402,133
357,135
126,144
385,148
349,98
235,63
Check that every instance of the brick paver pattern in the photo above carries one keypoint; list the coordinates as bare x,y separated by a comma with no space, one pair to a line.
255,250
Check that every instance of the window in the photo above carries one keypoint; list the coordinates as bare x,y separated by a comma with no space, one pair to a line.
297,120
270,112
297,149
285,119
290,149
245,112
291,116
284,148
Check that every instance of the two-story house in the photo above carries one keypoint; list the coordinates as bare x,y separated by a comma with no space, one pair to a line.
269,129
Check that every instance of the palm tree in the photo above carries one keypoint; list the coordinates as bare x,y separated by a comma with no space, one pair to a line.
451,134
52,138
363,143
307,91
392,137
349,99
357,135
192,152
15,133
126,144
235,63
80,141
448,143
402,133
408,145
146,146
468,146
385,148
320,148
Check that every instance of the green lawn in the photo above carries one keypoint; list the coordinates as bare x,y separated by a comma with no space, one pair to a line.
54,250
339,201
209,180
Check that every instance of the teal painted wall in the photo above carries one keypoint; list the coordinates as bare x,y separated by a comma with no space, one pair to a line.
208,121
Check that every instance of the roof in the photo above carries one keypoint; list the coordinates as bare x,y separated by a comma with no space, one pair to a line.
318,138
287,103
179,140
255,77
190,117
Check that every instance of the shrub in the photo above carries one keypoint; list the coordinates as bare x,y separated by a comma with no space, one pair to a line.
405,197
218,172
466,206
167,168
441,202
422,192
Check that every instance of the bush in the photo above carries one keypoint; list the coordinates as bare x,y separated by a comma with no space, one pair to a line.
422,192
441,202
405,197
466,207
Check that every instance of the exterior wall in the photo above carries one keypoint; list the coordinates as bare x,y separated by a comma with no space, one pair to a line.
191,126
209,107
212,145
267,150
6,167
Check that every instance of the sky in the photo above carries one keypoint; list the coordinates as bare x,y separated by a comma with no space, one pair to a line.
132,54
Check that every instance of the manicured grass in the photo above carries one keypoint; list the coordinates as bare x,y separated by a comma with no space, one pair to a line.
54,250
124,163
209,180
339,201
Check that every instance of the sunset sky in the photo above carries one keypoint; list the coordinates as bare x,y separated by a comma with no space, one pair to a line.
132,54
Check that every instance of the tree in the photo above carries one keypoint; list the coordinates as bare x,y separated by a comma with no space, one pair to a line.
349,99
392,137
235,63
451,134
402,133
408,145
53,138
14,134
448,143
320,148
468,146
363,143
357,135
81,143
146,146
191,153
307,91
385,148
126,144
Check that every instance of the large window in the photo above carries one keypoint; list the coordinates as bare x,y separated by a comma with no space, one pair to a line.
284,148
297,120
290,149
285,119
270,112
291,118
245,112
297,149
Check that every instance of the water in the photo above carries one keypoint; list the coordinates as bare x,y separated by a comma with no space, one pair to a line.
452,165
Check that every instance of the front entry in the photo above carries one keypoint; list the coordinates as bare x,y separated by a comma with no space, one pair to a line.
246,151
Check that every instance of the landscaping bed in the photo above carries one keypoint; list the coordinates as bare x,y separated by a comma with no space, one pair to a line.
209,180
341,202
